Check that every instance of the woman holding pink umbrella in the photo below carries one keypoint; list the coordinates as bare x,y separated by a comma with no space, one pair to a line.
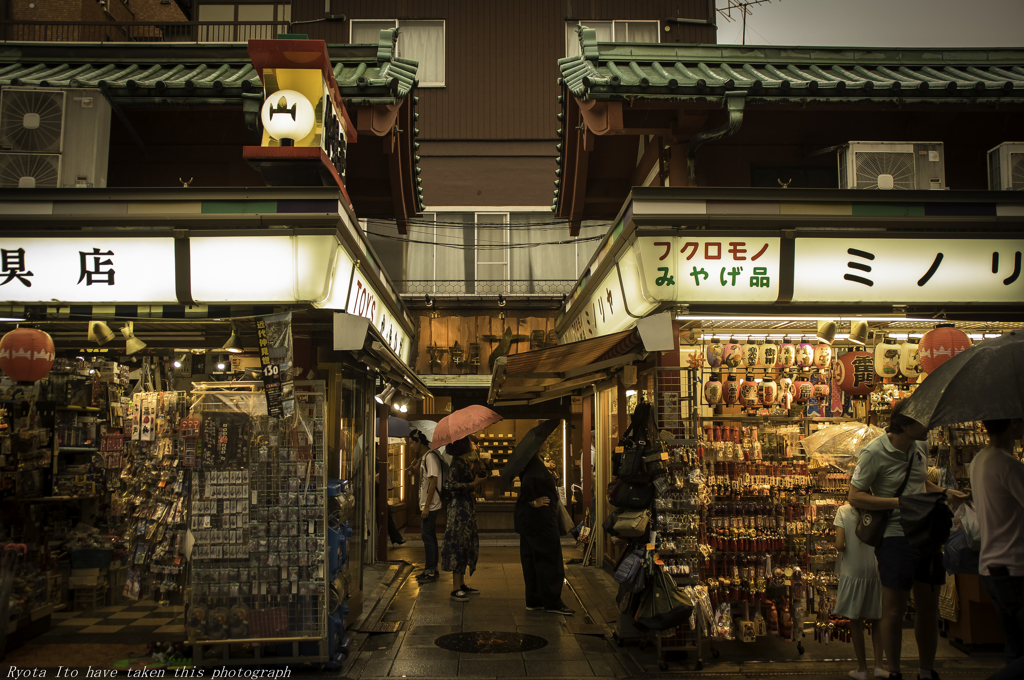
461,541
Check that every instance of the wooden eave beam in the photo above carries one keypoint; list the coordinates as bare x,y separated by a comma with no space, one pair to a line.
601,117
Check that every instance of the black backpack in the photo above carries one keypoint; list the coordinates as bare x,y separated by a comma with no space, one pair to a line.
636,444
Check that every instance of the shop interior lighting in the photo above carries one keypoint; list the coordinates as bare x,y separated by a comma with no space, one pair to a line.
12,319
232,345
132,343
859,333
100,333
386,395
401,404
827,331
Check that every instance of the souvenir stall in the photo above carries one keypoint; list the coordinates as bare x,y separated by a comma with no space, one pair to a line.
208,458
777,349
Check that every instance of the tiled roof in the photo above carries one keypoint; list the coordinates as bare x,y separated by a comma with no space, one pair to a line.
366,74
670,70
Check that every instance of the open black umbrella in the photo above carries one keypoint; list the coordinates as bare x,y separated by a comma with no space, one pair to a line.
526,449
984,382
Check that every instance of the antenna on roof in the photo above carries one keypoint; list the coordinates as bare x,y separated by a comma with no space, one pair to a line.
741,6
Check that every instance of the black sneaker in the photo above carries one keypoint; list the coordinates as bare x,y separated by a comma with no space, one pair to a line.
470,591
565,611
461,595
427,576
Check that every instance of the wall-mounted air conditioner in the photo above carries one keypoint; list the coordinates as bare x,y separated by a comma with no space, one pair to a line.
68,129
892,165
1006,167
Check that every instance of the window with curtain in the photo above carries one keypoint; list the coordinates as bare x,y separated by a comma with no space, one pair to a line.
534,269
422,40
492,251
612,31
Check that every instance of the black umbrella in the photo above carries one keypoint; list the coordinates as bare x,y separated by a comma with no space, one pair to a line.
526,449
984,382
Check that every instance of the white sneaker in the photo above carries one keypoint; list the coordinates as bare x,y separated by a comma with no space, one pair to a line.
881,672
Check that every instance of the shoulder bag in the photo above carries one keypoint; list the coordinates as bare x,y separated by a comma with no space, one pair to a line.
631,523
871,523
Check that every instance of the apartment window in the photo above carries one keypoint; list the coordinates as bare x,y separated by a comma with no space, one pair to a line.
487,253
419,39
612,31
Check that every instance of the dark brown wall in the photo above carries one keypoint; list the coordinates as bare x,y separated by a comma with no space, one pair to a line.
204,144
501,57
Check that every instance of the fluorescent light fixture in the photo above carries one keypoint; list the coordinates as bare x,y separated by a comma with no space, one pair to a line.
630,393
799,318
12,319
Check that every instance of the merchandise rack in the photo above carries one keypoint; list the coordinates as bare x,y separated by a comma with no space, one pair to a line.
271,509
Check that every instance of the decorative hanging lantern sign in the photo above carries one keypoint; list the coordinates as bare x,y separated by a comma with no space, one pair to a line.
805,355
940,345
767,391
713,390
821,390
803,390
855,373
748,392
714,353
787,354
785,392
732,354
768,354
26,354
751,354
887,359
822,355
731,391
910,362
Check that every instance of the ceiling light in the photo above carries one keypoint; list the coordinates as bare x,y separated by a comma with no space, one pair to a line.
426,298
827,331
100,333
132,343
501,300
859,332
386,395
232,345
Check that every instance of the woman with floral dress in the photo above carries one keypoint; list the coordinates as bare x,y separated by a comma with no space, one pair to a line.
461,540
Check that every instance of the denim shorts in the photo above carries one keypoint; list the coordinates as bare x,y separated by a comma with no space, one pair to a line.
899,565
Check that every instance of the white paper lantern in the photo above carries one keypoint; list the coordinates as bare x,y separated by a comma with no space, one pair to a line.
910,364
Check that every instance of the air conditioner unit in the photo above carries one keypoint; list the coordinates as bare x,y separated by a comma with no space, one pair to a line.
1006,167
29,170
892,165
71,123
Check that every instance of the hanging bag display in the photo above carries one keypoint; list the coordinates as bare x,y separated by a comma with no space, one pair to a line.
631,523
630,572
634,496
871,523
663,604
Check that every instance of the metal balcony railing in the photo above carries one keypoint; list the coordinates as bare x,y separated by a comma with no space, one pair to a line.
448,288
139,31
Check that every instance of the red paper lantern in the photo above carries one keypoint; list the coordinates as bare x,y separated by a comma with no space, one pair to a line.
26,354
855,372
940,345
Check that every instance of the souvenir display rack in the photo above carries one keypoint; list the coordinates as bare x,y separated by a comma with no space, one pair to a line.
260,567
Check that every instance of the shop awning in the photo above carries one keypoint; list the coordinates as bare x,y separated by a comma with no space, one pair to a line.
533,377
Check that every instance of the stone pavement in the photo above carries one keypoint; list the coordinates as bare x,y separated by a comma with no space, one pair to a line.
581,646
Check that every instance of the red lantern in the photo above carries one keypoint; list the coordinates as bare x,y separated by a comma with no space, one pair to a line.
26,354
855,372
940,345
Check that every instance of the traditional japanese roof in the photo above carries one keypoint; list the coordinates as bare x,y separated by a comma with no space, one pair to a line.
376,85
611,91
214,72
678,72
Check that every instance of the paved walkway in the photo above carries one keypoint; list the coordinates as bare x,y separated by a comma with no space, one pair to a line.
580,646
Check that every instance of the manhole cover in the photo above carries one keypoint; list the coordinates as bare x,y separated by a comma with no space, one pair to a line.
490,642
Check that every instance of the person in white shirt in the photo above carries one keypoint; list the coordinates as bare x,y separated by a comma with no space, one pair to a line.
430,500
997,483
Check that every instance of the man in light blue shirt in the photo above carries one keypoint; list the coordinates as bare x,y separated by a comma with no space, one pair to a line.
881,468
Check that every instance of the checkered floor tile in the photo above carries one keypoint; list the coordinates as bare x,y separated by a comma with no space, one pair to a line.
134,617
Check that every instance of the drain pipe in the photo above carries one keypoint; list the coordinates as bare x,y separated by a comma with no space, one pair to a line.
734,102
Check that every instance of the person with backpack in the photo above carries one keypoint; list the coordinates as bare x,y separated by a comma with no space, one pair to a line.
430,464
461,540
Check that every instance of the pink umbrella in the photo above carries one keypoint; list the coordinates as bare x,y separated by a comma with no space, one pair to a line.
462,423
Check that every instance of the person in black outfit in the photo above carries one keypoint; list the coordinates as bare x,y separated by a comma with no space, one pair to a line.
540,546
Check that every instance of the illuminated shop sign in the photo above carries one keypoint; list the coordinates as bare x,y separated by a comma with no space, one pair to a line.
364,301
